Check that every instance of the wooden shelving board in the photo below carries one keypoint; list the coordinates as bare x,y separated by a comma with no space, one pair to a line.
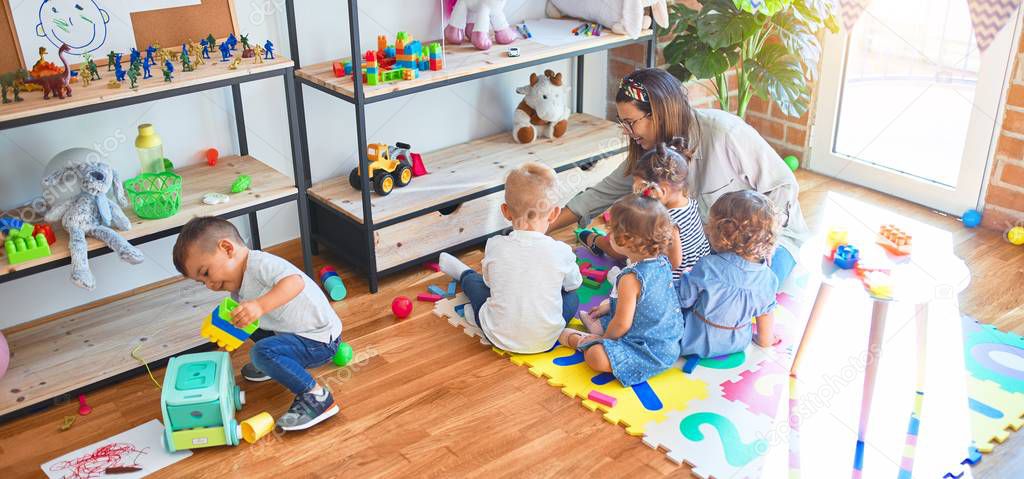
460,61
468,168
267,185
70,352
98,93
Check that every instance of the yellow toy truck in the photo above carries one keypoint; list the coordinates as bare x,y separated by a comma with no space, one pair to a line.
389,166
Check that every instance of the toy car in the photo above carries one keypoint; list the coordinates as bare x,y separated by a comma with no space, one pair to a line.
513,52
389,166
199,400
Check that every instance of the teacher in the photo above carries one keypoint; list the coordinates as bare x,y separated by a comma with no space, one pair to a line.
725,154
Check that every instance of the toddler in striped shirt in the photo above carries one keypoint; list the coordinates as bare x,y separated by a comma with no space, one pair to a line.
661,173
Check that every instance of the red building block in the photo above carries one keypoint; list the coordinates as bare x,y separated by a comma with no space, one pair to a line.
47,231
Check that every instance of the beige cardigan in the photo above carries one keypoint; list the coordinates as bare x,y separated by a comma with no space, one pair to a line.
729,156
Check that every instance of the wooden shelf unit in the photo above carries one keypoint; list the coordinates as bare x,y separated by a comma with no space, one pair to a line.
269,187
437,213
55,357
157,313
459,172
462,63
97,96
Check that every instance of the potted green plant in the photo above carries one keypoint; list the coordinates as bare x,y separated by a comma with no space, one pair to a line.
772,45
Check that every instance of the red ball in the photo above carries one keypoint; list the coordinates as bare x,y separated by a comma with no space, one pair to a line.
402,307
211,156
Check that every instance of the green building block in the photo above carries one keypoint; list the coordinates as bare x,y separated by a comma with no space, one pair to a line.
25,248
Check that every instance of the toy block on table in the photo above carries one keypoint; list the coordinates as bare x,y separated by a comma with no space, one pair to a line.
895,240
218,329
846,256
8,223
602,398
590,283
21,246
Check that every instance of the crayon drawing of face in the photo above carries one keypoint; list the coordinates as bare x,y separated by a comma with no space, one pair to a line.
81,24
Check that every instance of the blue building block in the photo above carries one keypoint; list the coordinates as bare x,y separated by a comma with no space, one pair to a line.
846,256
451,289
436,290
389,52
8,223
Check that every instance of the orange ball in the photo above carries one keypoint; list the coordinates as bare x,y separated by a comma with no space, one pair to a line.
211,156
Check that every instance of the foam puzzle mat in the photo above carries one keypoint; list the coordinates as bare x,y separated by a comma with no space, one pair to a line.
995,361
714,413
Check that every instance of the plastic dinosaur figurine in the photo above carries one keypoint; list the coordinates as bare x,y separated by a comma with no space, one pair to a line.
14,81
59,84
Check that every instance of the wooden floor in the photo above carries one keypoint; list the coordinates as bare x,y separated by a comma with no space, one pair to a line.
426,400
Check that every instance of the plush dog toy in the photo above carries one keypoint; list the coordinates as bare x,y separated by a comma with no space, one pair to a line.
91,213
625,17
474,19
543,110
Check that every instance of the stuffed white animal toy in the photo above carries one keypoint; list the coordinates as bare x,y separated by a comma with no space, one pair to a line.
474,19
91,213
543,111
625,17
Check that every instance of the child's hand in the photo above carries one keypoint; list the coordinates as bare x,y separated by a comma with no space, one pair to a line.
601,309
246,313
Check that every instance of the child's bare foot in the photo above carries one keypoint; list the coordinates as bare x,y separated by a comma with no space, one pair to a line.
593,325
574,338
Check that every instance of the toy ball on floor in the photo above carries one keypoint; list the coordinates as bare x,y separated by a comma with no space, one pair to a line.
971,218
5,355
402,307
1016,235
343,356
792,162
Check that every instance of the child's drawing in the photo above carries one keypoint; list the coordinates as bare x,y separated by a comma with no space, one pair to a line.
87,26
81,24
133,454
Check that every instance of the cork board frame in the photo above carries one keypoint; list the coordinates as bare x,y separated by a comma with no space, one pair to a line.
167,27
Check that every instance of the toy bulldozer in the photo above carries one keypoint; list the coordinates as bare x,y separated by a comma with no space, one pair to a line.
389,166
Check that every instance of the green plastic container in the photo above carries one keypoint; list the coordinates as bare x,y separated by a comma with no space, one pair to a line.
154,195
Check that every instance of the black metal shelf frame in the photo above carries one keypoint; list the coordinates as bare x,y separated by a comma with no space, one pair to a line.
339,229
298,161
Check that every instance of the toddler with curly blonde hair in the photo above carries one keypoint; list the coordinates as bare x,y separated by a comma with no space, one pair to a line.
726,290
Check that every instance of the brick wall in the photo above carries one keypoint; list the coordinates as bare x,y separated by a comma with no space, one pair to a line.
1004,200
788,135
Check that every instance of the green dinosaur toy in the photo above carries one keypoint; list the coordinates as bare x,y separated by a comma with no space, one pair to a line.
14,80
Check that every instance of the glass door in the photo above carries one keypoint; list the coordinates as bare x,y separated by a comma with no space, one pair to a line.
908,105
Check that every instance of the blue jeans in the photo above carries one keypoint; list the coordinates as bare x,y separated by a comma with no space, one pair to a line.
285,357
782,264
478,292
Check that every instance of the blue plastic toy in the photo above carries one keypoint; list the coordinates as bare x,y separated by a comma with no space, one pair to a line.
846,256
206,48
146,65
8,223
269,49
134,56
971,218
225,52
231,41
150,50
118,71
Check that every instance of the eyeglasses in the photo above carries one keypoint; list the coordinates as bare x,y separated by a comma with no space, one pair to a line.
629,124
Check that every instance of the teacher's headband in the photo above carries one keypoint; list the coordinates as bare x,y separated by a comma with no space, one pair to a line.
633,89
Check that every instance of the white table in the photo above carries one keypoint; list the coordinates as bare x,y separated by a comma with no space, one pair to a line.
929,273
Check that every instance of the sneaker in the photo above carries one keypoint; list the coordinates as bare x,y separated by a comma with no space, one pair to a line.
308,410
251,373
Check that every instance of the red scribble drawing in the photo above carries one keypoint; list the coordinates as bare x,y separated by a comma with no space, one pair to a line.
94,464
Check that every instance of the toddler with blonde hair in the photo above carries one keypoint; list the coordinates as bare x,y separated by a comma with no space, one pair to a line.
526,292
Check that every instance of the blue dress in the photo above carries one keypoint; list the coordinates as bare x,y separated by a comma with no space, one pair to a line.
728,291
652,343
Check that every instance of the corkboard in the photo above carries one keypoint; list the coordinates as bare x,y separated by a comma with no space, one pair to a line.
10,52
168,27
172,26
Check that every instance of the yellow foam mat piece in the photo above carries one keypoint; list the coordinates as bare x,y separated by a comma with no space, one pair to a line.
1006,406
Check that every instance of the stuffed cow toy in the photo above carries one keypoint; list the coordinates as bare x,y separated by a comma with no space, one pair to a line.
91,213
625,17
543,111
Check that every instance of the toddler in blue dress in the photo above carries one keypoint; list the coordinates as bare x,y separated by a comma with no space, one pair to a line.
726,290
637,335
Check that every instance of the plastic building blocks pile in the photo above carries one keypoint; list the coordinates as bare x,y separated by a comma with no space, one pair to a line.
218,329
404,60
27,242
